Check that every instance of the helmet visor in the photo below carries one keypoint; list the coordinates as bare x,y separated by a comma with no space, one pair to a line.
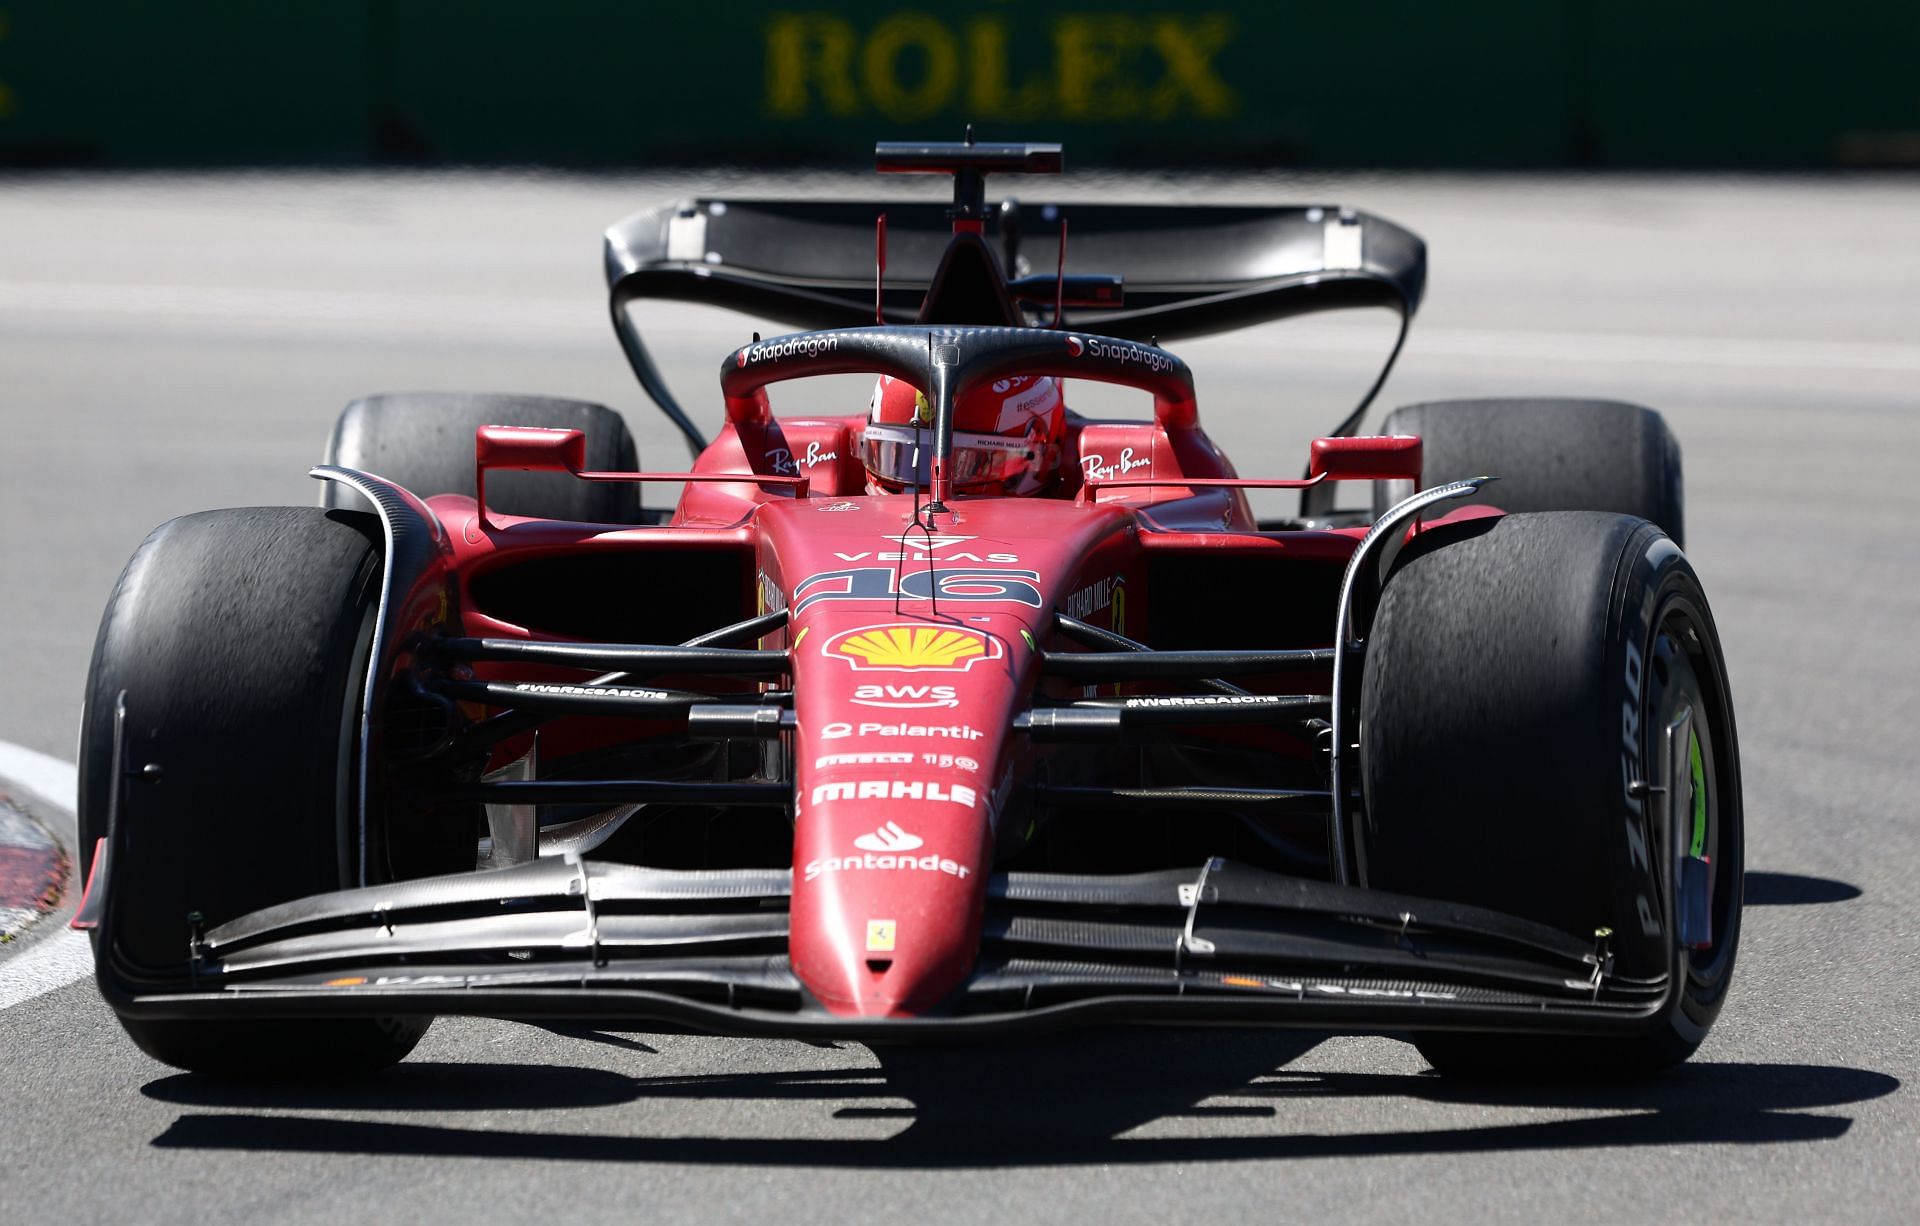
900,456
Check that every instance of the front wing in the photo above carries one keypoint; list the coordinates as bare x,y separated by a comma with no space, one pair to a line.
706,951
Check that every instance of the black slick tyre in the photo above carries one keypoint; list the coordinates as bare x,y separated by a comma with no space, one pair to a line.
237,642
1550,454
1521,674
423,441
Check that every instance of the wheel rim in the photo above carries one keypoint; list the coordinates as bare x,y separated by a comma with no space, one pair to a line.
1690,676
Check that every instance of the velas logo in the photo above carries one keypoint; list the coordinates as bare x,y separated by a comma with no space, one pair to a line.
949,649
889,837
928,541
914,547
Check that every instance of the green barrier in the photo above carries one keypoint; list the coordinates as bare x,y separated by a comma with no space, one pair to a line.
1120,82
128,83
1499,83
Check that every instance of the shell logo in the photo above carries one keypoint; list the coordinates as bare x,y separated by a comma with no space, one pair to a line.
949,649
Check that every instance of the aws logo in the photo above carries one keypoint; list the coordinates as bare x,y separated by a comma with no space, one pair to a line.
950,649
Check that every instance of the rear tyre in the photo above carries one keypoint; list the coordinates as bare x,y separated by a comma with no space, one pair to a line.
240,639
1520,673
1550,454
423,441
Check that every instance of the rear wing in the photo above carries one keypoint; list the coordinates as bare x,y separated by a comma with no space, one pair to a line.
1187,270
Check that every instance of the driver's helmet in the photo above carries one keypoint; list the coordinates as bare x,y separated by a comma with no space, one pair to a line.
1007,436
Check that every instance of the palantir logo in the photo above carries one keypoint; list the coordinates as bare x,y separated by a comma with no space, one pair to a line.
888,838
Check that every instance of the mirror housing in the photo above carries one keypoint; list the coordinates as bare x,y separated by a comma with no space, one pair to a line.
1376,457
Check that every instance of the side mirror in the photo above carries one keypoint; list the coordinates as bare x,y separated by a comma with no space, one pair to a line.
527,449
1378,457
530,449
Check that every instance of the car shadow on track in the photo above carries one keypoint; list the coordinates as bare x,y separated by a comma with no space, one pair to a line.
1067,1100
1795,890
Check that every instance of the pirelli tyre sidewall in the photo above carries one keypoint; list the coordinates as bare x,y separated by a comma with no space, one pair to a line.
1669,661
1520,676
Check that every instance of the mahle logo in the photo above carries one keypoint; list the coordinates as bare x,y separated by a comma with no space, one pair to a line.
948,649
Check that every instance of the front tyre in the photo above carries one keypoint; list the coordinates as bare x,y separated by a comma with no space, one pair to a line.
423,442
1550,453
240,640
1521,675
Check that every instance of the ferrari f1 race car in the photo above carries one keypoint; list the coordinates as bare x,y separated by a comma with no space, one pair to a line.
864,739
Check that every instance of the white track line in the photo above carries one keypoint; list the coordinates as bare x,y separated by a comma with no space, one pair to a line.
65,956
42,776
52,963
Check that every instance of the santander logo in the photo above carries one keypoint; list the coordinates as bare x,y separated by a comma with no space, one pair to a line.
889,837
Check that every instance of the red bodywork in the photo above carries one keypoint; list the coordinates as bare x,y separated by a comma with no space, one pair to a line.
912,650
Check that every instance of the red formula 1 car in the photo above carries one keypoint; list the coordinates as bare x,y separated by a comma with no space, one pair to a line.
857,742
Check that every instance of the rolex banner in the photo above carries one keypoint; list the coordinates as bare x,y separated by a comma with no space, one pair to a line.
625,83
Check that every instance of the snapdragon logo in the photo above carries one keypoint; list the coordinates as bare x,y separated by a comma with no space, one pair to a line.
1121,351
772,351
889,837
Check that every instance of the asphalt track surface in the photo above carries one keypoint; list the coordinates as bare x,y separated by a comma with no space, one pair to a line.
169,344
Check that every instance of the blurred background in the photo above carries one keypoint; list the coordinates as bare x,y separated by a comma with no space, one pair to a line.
613,83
